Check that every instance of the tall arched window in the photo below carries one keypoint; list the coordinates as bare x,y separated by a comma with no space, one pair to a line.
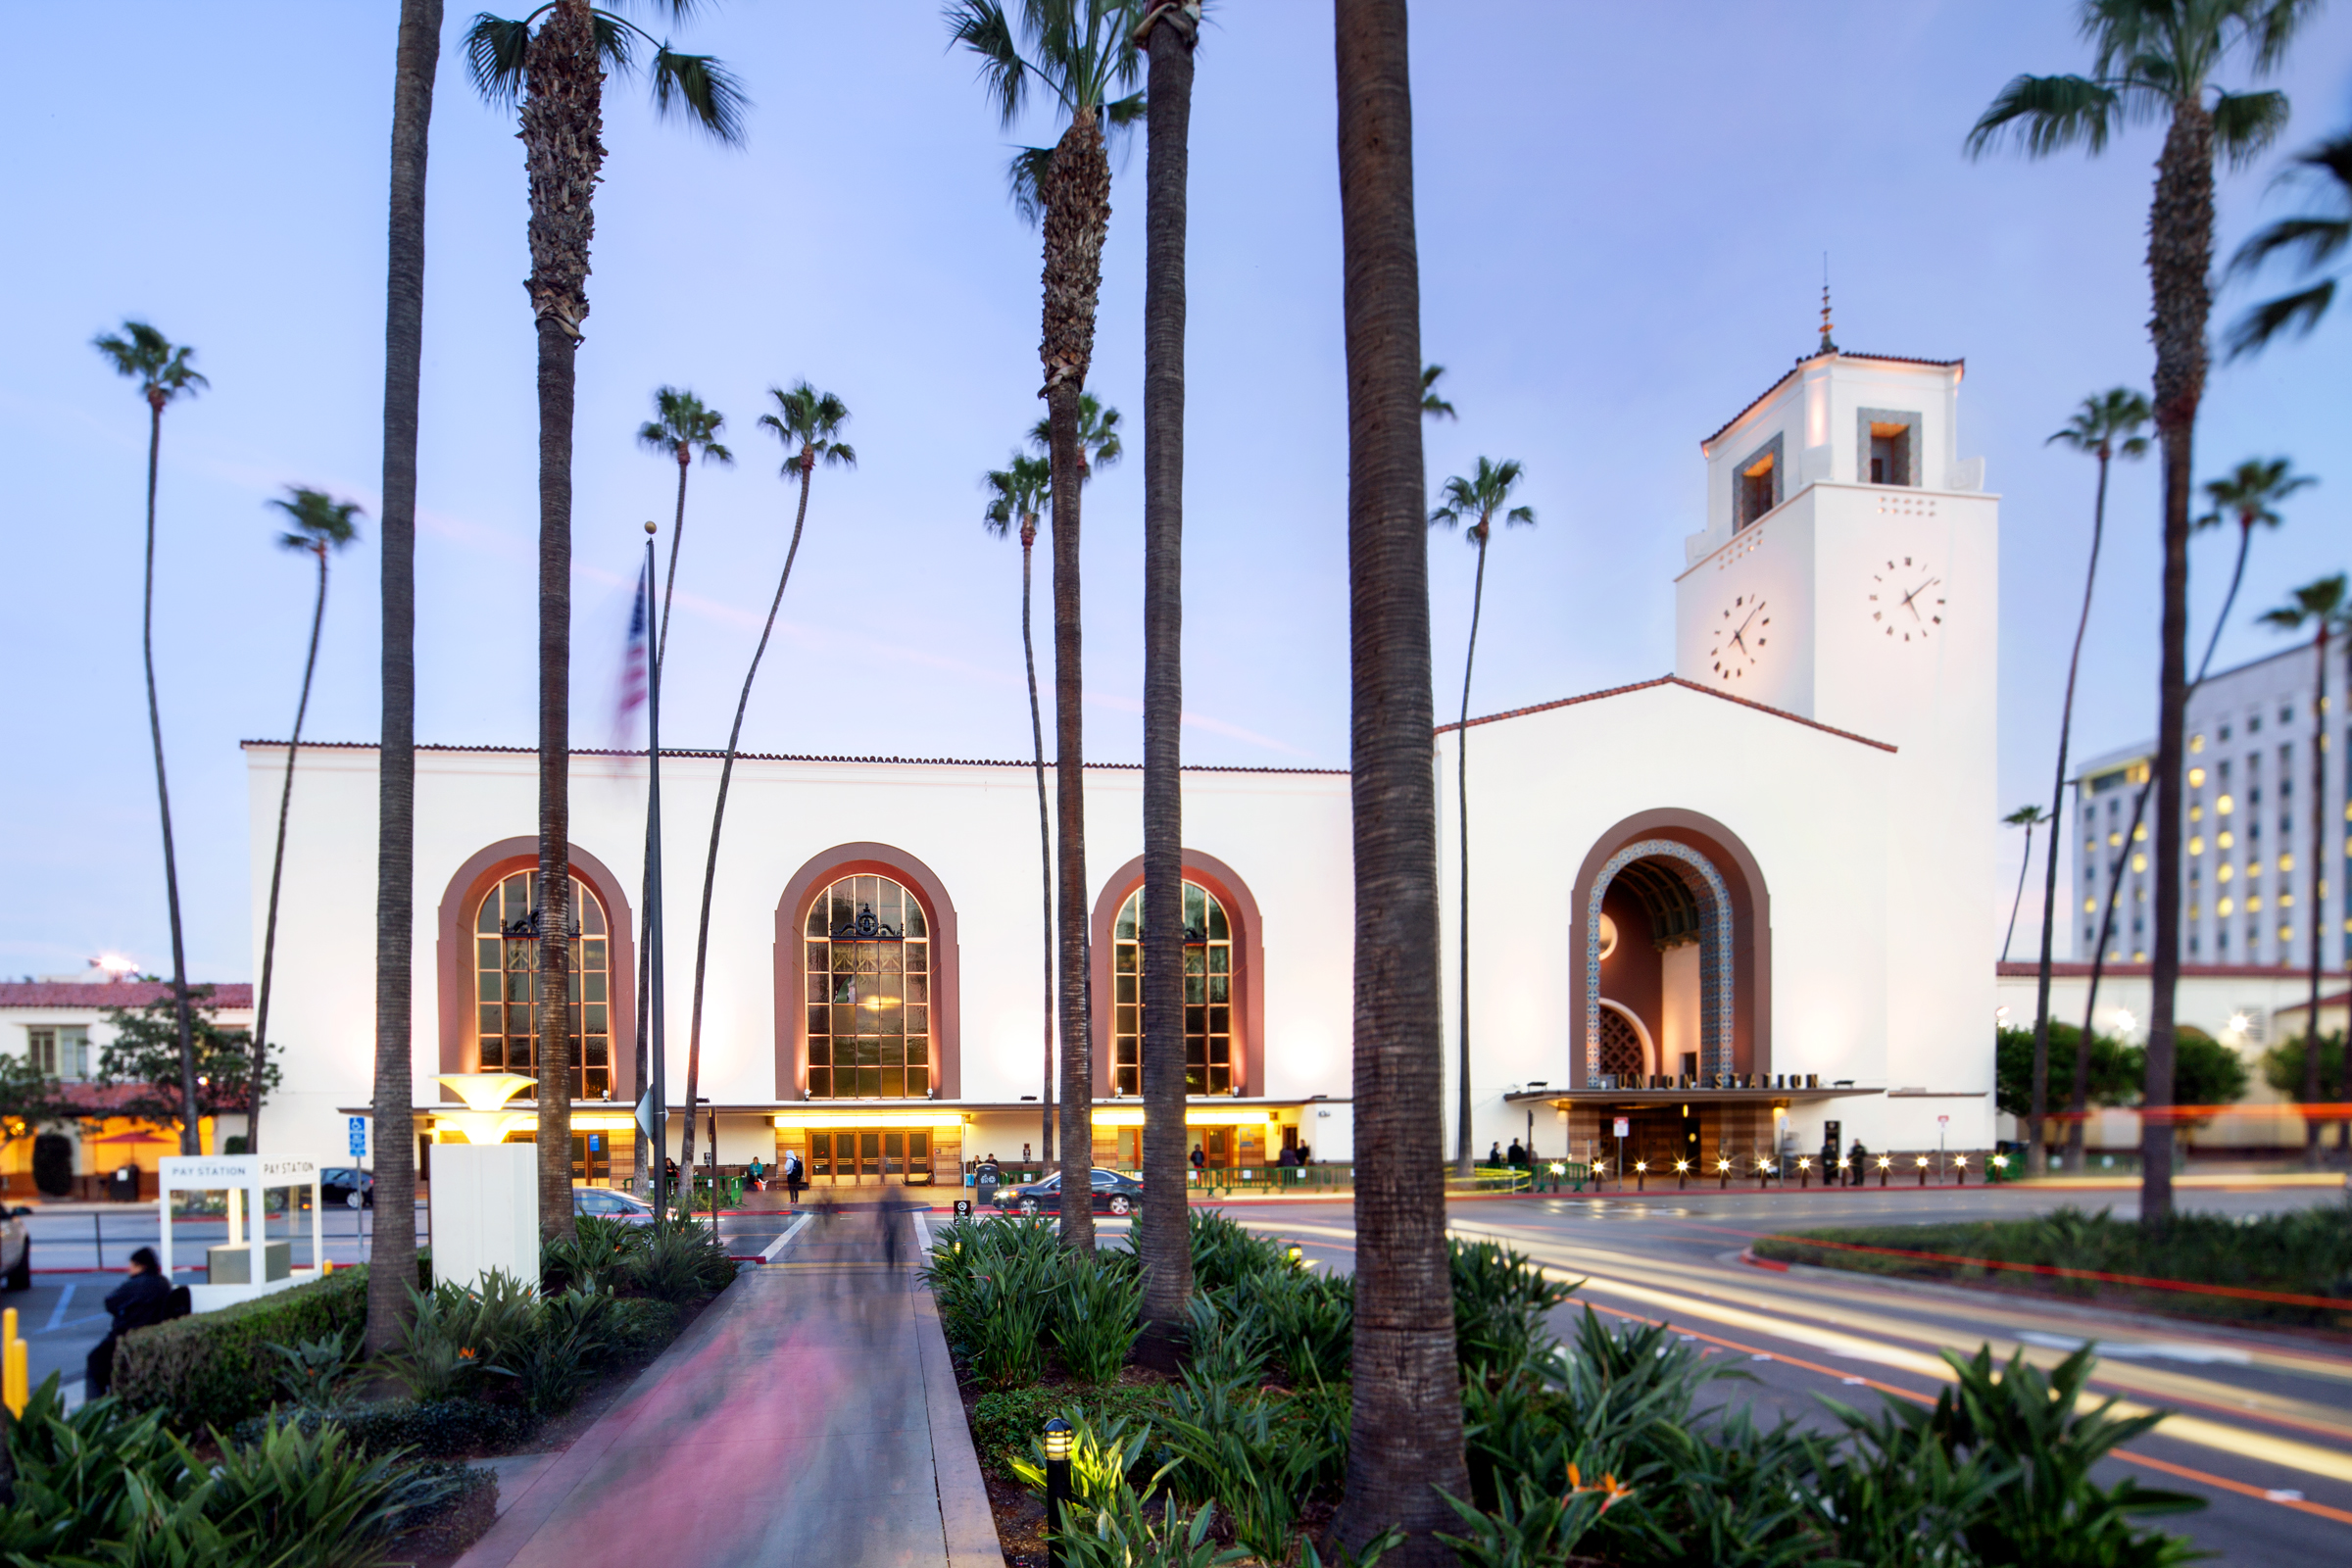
867,958
1207,994
506,984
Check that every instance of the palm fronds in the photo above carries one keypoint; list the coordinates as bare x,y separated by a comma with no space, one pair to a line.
697,88
2048,114
321,522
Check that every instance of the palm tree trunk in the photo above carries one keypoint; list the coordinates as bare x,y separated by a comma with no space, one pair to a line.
2319,903
2180,270
190,1129
669,577
1163,1229
1461,813
1405,1425
1045,842
277,867
562,122
719,814
393,1256
1077,217
2017,900
2037,1152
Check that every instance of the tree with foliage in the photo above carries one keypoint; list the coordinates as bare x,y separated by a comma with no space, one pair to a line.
2325,607
30,1098
2106,427
1099,443
319,524
1432,404
2158,60
1405,1449
143,1057
162,369
2028,817
2311,240
415,62
2305,1076
552,62
809,423
680,428
2112,1079
1016,493
1480,498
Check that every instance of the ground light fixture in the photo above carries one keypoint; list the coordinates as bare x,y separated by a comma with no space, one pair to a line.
1960,1164
1922,1163
1886,1163
1296,1256
1999,1163
1845,1165
1559,1169
1058,1439
1682,1174
1804,1171
1723,1169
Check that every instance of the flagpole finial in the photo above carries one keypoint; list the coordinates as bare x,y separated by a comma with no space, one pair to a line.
651,527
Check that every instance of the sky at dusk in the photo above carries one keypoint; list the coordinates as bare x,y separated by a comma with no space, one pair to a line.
1623,217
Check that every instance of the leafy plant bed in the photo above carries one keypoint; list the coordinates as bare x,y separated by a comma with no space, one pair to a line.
2275,1271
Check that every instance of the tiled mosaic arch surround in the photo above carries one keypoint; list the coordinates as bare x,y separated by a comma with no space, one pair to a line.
1714,956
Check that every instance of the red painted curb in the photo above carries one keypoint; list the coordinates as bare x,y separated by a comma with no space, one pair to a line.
1754,1261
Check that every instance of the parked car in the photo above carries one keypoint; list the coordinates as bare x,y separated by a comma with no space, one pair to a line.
1115,1192
353,1188
16,1249
607,1202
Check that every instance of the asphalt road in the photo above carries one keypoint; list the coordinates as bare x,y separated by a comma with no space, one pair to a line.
2262,1427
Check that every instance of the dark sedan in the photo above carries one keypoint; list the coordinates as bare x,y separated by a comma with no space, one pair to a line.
353,1188
1115,1192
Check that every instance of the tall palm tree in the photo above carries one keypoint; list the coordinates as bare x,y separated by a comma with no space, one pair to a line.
1435,407
1405,1449
555,70
1481,497
1169,34
679,428
1017,493
1082,55
2029,816
2326,607
809,423
2248,495
320,523
162,369
2311,239
394,1253
2157,59
2104,426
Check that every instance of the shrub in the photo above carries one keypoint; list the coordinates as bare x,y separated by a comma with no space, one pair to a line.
552,1357
1503,1307
997,1285
1224,1254
216,1368
1124,1533
444,1429
679,1260
461,1506
639,1326
313,1500
1102,1458
1097,1314
1006,1421
1233,1446
1530,1527
453,1335
596,1257
1308,1323
316,1371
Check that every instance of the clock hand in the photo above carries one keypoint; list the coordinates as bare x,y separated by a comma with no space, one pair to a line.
1915,593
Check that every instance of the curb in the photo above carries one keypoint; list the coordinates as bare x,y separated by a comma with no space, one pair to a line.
1754,1261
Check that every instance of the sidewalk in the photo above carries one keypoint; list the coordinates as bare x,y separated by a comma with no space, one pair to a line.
811,1414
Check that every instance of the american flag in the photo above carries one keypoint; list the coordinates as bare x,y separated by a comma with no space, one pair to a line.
631,696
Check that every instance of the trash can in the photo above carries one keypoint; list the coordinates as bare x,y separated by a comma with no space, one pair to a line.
123,1184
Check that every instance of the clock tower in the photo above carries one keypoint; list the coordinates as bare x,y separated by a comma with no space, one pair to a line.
1849,574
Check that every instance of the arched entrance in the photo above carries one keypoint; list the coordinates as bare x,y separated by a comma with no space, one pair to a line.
1685,902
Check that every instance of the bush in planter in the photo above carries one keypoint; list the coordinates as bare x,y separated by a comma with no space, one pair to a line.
444,1429
216,1368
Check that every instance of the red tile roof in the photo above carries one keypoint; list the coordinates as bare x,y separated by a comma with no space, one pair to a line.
2141,971
1671,681
784,756
110,994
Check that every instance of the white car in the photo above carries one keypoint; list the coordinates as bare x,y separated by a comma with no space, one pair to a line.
16,1249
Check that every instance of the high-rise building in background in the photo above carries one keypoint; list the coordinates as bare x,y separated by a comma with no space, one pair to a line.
2248,857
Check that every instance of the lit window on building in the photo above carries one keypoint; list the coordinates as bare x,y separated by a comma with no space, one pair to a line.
506,946
2197,844
2225,909
1207,994
867,957
2224,805
2196,778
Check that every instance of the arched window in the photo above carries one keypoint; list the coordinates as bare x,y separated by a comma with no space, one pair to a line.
506,965
867,959
1207,994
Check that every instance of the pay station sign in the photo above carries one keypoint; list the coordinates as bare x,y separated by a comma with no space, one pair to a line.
1624,1127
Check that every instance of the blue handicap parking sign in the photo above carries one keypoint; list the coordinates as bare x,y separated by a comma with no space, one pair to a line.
359,1138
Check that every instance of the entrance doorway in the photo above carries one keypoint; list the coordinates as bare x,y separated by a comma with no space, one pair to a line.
870,1157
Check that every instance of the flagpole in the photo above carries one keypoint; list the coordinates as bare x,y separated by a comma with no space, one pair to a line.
657,1123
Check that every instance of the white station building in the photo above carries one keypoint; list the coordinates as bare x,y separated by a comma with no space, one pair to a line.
1738,908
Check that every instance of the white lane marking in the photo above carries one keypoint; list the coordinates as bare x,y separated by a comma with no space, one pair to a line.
768,1253
2201,1354
922,1230
57,1319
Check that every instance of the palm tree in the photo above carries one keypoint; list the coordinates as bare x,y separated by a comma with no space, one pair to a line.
2248,495
1098,436
162,369
2311,239
394,1251
1082,54
2326,607
1435,407
1405,1449
2029,817
811,420
1017,493
2104,426
2157,59
1169,34
679,428
556,71
1485,493
320,523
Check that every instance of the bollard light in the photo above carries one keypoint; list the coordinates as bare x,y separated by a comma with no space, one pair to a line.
1804,1171
1922,1162
1844,1171
1886,1163
2000,1166
1297,1255
1682,1174
1723,1169
1960,1166
1057,1485
1559,1169
1761,1170
1640,1175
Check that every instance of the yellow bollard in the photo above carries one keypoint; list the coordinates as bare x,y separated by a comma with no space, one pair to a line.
326,1267
14,1384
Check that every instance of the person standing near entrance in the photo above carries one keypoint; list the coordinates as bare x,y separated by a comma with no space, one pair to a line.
1200,1161
792,1175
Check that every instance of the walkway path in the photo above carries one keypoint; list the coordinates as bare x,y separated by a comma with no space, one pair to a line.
809,1415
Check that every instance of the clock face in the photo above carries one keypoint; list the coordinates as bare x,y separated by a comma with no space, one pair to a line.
1906,600
1741,633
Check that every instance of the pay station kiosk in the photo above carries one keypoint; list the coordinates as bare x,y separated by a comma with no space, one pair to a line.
247,1264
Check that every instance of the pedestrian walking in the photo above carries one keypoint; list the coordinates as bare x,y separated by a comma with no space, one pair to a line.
890,1235
139,1300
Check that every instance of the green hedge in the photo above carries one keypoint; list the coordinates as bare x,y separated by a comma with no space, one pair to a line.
214,1369
440,1429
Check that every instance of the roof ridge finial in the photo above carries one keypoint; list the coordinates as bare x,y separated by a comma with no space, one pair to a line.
1829,345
